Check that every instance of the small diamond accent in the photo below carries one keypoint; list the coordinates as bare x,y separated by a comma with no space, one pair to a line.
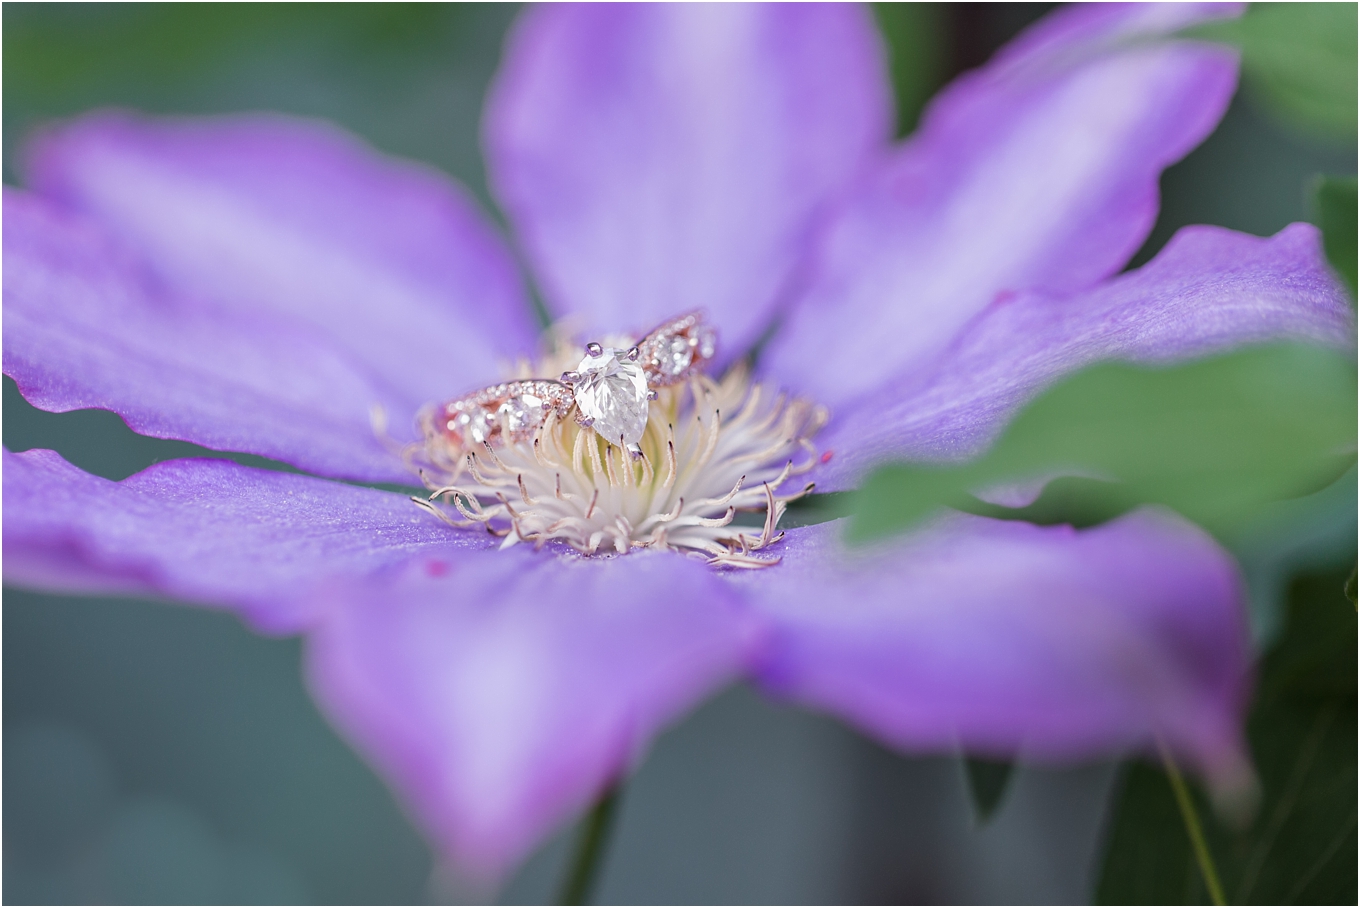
674,355
521,415
472,425
707,340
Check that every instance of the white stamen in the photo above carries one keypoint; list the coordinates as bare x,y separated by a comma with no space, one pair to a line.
569,484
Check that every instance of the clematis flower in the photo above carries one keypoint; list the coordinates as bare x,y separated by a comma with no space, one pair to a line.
260,284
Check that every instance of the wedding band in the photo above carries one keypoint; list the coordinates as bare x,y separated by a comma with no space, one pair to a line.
609,391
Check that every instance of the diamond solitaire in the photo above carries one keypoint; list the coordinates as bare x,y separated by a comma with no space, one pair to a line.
612,394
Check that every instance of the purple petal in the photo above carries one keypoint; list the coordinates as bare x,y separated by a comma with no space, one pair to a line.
211,532
503,698
660,158
86,327
1208,290
1038,172
1006,638
266,213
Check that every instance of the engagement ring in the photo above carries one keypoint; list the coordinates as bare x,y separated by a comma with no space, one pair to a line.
609,392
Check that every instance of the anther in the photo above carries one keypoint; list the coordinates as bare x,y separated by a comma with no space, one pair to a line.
652,394
571,378
634,451
633,354
594,349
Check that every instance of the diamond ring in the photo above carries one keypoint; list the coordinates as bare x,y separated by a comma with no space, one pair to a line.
610,391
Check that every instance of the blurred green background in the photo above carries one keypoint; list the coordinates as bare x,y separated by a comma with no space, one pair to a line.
157,754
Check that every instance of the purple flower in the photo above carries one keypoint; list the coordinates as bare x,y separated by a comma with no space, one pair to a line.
258,284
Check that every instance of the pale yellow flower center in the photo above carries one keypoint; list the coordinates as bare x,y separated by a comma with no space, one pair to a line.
711,450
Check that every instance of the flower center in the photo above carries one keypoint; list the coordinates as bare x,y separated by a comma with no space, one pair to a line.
703,452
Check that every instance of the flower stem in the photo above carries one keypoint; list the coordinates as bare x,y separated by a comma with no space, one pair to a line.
585,864
1192,827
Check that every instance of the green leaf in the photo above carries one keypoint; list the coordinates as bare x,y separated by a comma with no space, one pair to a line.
1072,500
1301,846
917,37
1286,537
49,52
988,781
814,509
1215,439
1334,201
1300,58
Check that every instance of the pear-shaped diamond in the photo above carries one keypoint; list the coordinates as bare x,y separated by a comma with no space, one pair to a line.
612,391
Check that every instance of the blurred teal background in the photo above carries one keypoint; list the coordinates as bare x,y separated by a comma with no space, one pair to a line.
157,754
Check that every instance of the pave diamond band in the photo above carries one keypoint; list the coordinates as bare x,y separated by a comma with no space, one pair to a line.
672,351
512,410
609,391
